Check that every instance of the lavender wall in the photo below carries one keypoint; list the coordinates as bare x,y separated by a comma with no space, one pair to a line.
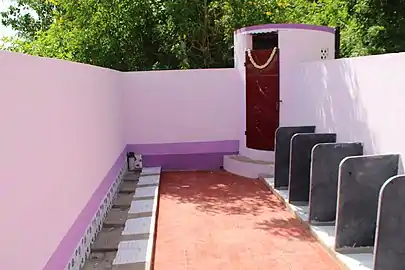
61,133
193,116
65,129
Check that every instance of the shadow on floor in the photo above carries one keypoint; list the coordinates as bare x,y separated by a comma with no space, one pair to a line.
219,193
289,228
221,221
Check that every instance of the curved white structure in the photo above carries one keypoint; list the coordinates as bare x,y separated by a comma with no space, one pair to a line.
297,43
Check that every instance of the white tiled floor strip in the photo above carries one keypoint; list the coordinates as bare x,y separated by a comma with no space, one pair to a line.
151,171
137,254
144,206
149,180
142,225
326,234
146,192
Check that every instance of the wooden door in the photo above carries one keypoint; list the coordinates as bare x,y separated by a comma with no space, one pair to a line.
262,100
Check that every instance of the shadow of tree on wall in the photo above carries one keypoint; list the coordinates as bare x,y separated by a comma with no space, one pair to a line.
331,99
221,193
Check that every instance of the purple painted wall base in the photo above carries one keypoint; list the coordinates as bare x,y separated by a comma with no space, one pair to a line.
198,162
185,156
170,156
66,248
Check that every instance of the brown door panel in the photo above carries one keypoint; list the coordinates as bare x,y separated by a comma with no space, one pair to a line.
262,101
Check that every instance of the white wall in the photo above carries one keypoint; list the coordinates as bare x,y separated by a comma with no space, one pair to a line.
298,46
61,132
182,106
362,99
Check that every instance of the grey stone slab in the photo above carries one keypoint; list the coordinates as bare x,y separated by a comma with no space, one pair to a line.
389,247
131,176
100,261
300,163
282,152
128,187
107,240
116,217
360,181
123,200
326,158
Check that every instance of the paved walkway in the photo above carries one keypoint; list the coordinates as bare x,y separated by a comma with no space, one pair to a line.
220,221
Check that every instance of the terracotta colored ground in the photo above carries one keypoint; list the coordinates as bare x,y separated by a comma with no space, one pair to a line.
213,221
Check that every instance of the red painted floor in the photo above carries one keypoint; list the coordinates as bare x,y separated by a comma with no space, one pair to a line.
212,221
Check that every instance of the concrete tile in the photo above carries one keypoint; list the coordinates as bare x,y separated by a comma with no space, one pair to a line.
131,176
326,234
132,242
302,211
143,206
99,261
151,170
136,251
123,200
139,226
362,261
128,186
107,240
146,192
115,218
133,237
149,180
131,266
269,181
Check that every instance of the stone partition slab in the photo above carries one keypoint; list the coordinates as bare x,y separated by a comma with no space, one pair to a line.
360,181
300,163
389,247
282,152
326,158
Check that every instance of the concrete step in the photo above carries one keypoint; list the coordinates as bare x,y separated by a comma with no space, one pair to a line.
100,261
126,239
247,167
131,176
128,186
123,200
108,240
116,218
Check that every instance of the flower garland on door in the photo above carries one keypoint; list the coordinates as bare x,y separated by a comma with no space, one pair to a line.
269,60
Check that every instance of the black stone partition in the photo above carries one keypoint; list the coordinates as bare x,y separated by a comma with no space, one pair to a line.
389,248
300,163
282,153
326,158
360,181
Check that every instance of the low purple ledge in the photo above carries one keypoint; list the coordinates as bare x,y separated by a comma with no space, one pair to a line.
187,155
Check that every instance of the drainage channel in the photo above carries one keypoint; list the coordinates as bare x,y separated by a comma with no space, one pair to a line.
129,221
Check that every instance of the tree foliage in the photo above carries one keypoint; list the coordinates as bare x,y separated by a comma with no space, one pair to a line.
167,34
